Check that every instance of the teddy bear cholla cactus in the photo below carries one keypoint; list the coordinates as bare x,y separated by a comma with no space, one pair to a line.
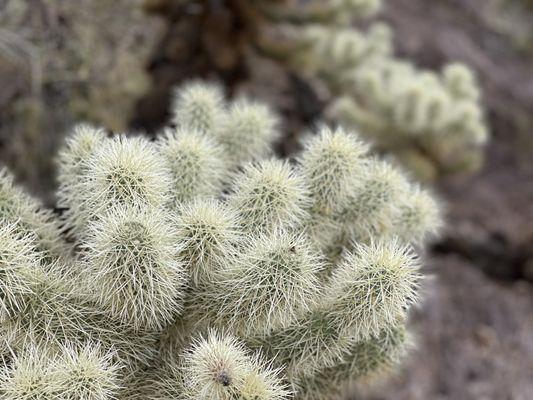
260,279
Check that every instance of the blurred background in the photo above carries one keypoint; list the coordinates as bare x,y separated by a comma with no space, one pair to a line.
114,63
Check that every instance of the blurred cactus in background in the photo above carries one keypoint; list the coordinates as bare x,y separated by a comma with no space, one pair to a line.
433,123
199,266
61,62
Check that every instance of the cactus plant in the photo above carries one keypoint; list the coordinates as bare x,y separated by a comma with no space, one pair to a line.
174,283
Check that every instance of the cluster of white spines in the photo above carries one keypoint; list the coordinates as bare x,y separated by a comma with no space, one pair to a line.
274,294
372,206
18,266
220,367
330,164
217,367
245,130
269,194
208,232
129,251
274,282
369,292
139,226
139,278
364,359
70,373
248,131
372,288
29,217
125,171
87,372
244,250
34,303
418,216
72,164
198,107
195,162
53,306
